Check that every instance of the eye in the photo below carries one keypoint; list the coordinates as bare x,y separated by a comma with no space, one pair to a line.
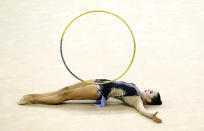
151,92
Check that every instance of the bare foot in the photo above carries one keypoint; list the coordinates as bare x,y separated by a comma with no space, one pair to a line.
25,100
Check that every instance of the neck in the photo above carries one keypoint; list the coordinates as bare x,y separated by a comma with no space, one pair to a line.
143,99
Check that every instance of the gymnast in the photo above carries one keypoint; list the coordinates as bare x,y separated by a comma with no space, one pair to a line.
126,92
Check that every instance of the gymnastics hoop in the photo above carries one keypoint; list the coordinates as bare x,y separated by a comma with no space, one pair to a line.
133,56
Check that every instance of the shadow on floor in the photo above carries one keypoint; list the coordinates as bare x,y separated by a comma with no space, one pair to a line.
80,106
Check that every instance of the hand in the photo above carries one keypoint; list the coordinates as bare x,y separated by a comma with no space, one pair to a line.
156,119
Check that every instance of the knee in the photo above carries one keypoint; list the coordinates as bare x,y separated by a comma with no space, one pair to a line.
63,94
65,88
56,101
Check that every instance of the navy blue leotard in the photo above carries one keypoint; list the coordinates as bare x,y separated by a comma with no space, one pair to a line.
129,89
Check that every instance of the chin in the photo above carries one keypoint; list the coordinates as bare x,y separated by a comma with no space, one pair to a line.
144,95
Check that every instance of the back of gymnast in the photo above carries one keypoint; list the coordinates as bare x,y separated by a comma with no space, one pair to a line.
126,92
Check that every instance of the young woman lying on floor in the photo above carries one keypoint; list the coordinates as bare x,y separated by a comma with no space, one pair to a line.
126,92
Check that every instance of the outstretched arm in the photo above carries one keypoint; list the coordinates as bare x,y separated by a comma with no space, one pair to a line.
136,102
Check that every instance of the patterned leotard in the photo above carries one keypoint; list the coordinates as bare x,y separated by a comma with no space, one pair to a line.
105,90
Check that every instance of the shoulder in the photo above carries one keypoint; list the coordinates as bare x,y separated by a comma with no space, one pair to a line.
126,84
130,88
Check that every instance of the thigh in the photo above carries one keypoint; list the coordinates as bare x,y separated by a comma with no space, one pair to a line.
77,85
88,92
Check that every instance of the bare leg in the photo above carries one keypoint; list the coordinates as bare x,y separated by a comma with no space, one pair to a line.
87,92
74,86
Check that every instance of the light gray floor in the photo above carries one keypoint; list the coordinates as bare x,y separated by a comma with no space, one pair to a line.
169,58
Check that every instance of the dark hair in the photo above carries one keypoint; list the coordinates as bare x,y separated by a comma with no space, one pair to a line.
156,100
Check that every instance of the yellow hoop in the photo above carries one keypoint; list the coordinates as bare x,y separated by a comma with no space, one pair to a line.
133,56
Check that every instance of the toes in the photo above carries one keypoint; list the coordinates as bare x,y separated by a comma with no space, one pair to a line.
24,100
21,101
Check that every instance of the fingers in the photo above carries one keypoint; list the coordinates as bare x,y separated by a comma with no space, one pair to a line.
155,113
156,119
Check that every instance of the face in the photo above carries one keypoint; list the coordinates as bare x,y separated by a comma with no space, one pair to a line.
148,95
